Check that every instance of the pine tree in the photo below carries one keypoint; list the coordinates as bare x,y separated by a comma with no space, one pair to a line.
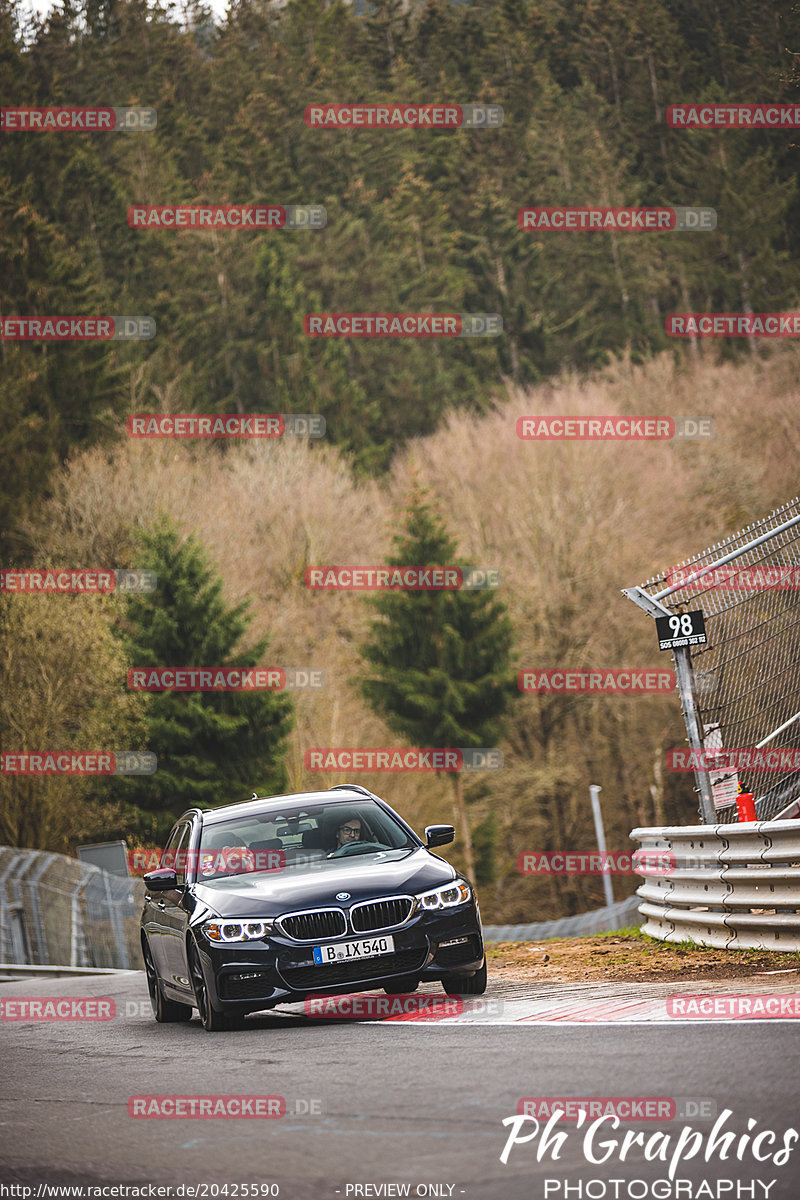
440,659
211,746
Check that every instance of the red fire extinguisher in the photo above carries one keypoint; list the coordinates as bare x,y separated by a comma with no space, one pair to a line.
746,806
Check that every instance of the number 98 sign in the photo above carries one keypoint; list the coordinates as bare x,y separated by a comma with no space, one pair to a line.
681,629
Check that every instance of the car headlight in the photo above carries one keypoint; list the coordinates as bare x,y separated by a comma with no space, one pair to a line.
445,897
237,931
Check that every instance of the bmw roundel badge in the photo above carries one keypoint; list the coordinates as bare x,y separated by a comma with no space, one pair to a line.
342,895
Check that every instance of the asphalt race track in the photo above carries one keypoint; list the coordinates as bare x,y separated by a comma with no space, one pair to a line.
415,1104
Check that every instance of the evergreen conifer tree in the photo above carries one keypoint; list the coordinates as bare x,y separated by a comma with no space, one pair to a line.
212,746
440,659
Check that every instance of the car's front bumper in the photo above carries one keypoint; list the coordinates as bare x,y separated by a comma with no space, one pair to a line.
250,976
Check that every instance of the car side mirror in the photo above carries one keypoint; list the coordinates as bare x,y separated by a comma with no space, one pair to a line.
438,835
163,879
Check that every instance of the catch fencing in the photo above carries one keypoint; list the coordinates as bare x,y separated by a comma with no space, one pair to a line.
741,690
59,911
731,886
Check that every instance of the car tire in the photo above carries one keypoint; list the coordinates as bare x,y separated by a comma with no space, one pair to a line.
466,985
165,1011
399,987
211,1019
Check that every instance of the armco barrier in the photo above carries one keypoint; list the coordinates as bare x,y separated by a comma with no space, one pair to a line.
733,886
56,910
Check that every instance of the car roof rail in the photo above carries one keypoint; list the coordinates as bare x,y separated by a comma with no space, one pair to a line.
351,787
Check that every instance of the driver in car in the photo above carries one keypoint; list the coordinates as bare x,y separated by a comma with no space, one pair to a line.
349,831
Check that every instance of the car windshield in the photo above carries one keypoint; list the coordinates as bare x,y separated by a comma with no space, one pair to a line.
295,837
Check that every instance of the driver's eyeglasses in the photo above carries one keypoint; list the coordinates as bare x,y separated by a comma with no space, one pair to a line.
354,829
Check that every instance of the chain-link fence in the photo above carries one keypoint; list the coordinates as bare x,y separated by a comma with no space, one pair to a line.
57,911
740,691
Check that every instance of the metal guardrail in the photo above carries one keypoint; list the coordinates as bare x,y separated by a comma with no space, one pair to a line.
13,972
731,886
601,920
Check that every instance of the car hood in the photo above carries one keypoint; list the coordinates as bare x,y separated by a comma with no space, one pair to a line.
272,893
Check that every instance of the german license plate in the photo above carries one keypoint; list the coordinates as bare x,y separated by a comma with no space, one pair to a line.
347,951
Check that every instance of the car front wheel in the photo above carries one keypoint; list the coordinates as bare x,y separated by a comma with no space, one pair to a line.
211,1019
163,1010
466,985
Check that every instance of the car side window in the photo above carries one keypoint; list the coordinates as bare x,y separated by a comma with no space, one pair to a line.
168,857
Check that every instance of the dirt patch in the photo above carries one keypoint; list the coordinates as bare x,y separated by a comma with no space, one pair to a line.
628,958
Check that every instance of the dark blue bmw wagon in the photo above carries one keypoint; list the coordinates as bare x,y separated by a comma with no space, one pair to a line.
275,899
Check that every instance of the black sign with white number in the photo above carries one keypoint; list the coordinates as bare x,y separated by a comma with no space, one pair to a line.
681,629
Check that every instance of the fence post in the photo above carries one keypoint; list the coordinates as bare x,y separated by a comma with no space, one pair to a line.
116,922
594,792
686,686
684,673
